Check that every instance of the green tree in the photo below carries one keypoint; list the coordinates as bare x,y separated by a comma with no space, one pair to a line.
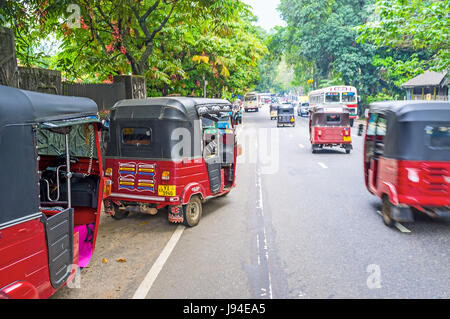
419,27
322,46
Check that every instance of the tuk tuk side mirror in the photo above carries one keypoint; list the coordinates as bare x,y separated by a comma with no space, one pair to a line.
379,148
105,125
359,99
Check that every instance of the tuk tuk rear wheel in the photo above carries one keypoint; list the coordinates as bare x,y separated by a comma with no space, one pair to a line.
192,212
119,213
386,213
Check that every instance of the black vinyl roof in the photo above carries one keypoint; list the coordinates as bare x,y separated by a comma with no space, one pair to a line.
170,108
407,121
21,106
409,111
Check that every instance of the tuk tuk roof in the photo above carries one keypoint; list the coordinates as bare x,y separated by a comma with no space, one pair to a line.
20,107
169,108
412,111
286,106
407,122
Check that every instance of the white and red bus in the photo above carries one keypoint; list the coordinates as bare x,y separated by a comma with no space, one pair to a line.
342,94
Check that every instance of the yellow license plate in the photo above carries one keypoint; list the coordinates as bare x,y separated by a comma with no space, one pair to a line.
347,138
167,190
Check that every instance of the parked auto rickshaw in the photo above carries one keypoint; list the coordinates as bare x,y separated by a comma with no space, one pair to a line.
274,110
169,152
407,158
329,126
51,190
285,115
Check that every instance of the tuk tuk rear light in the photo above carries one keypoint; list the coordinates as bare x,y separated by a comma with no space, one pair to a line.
108,172
108,188
319,132
165,176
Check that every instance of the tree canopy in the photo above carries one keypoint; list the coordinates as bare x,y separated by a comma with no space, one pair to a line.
174,44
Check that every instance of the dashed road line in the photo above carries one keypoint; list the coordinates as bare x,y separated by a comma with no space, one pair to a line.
399,226
322,165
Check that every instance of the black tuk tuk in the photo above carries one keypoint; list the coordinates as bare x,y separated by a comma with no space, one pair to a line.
172,152
285,115
51,190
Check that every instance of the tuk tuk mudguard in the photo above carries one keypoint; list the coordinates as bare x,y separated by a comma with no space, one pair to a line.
59,235
190,190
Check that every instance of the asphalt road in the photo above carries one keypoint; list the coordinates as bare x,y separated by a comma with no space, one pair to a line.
298,225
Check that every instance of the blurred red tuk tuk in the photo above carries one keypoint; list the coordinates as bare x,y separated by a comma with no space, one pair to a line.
407,158
169,152
329,125
51,190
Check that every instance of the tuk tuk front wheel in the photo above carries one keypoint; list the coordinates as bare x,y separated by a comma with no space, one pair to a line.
192,212
387,212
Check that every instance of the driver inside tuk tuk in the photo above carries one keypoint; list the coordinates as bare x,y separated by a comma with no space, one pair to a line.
210,146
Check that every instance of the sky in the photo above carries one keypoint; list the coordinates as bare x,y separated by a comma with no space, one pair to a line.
267,13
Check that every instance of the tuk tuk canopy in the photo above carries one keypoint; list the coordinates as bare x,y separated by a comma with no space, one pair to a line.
414,130
20,113
150,128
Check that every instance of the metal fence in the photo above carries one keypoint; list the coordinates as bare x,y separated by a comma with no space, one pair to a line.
105,95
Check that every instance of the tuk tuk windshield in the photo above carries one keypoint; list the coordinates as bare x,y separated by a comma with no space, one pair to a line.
286,110
81,142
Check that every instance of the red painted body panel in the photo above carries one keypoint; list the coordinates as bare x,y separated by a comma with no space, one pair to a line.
431,189
189,176
24,269
329,135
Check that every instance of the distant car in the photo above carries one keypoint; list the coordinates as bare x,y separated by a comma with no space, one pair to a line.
303,109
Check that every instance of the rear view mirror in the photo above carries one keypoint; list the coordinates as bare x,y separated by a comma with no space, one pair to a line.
105,125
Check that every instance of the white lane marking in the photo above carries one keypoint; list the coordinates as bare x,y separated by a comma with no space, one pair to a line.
322,165
399,226
151,276
261,208
301,145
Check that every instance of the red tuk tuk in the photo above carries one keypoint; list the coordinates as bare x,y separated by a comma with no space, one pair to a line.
51,190
169,152
407,158
329,125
